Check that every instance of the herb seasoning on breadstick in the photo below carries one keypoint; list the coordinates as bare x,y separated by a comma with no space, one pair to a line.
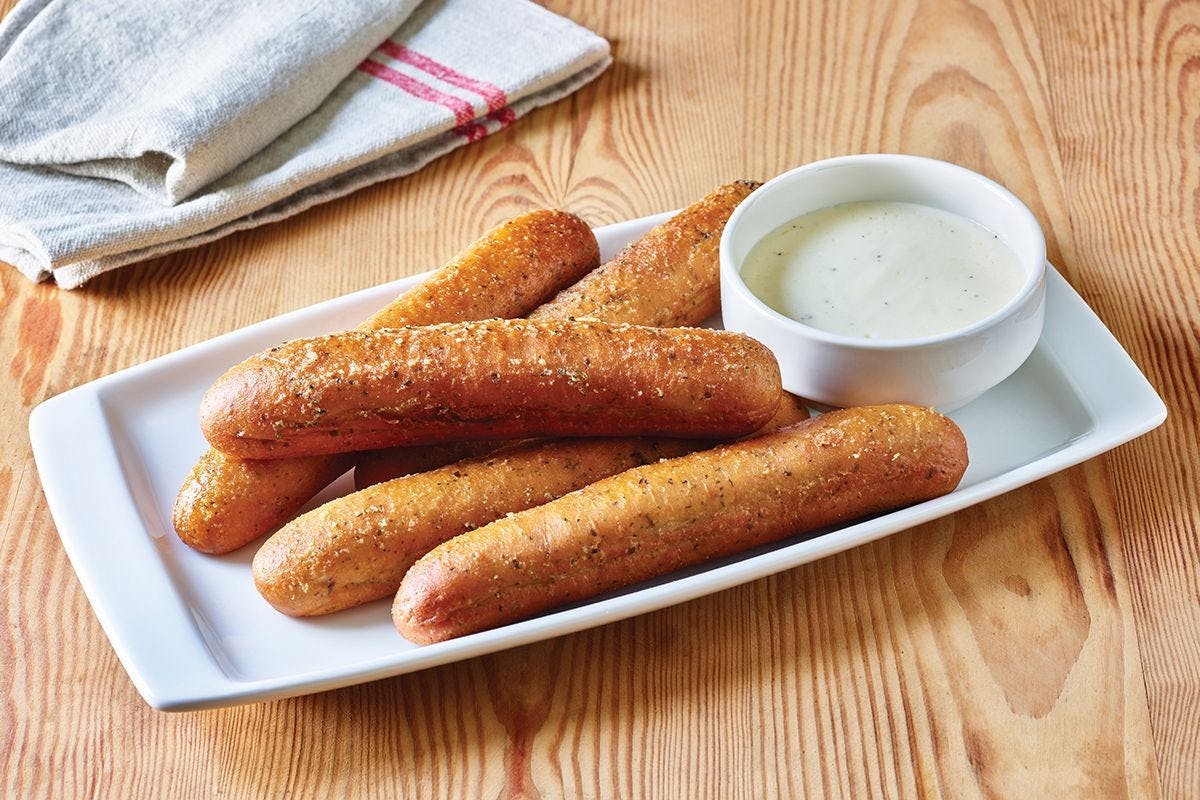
661,517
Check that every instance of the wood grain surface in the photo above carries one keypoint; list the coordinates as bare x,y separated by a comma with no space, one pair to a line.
1043,644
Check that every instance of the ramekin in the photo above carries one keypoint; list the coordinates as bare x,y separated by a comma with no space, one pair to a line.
944,371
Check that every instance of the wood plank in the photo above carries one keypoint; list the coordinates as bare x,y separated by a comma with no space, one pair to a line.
1130,129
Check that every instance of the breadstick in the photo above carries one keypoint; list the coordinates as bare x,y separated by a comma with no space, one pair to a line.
357,548
496,379
226,502
506,272
658,518
667,278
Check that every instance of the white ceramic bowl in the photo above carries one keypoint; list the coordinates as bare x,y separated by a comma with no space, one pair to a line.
946,370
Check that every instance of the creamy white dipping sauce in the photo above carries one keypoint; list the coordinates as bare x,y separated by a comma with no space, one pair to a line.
883,270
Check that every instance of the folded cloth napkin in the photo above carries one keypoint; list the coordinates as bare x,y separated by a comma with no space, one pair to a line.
133,129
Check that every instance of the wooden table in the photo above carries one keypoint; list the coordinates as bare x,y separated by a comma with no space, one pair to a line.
1043,644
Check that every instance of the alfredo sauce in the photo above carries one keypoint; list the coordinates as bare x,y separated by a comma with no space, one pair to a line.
883,270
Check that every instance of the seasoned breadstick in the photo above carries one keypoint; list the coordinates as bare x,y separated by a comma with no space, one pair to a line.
505,273
357,548
658,518
496,379
226,502
667,278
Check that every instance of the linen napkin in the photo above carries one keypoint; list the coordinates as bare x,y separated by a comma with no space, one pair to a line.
133,129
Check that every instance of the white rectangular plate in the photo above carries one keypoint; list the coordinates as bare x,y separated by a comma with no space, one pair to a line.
193,633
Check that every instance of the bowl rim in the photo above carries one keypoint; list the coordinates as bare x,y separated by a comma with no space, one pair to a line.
1036,277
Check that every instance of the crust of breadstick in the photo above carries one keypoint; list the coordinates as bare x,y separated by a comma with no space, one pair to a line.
667,278
225,502
356,548
495,379
658,518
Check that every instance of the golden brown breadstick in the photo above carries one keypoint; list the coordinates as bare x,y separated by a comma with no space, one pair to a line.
505,273
667,278
495,379
357,548
226,503
655,519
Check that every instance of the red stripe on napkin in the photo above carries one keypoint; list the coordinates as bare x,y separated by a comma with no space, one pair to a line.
464,114
491,93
